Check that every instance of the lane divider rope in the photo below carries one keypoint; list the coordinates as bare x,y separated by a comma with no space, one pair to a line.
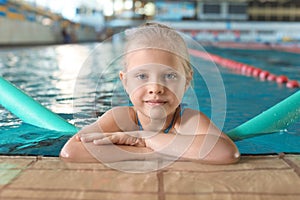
246,69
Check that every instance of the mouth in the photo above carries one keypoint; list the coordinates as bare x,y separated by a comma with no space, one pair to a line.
155,102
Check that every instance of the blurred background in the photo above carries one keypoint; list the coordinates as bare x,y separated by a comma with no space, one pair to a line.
219,21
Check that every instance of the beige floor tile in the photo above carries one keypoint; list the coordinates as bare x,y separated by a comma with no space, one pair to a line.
247,162
7,175
57,163
253,178
231,197
50,163
73,194
294,158
251,181
138,166
126,166
107,180
11,167
16,162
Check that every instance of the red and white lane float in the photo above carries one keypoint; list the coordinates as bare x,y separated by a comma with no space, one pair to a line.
256,72
271,77
245,69
263,75
281,79
292,84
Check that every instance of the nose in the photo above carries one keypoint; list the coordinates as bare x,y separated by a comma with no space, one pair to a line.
155,89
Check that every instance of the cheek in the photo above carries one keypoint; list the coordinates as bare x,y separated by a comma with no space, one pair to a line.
136,94
177,90
134,87
176,98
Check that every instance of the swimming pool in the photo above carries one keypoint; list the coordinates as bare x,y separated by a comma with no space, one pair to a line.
48,74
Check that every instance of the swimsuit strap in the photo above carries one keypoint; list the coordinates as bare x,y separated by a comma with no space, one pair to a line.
182,105
139,123
167,129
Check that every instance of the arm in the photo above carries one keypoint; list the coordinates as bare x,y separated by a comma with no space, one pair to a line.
204,143
204,148
74,150
77,151
198,138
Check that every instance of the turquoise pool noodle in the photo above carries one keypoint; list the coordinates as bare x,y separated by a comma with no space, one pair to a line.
29,110
275,119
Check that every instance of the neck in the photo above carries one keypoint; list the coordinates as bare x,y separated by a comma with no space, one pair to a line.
150,124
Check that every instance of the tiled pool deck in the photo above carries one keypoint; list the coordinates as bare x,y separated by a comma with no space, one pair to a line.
253,178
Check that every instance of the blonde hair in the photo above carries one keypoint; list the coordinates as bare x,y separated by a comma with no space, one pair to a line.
159,36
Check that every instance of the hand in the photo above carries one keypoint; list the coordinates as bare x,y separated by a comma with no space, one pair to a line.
121,138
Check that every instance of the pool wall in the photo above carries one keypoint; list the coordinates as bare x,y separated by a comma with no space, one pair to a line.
35,33
22,24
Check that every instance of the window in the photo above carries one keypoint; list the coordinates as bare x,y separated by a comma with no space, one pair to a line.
237,9
211,8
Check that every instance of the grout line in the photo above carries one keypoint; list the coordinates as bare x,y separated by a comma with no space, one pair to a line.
80,190
234,193
72,169
161,193
145,192
293,165
38,198
51,198
18,175
173,170
229,170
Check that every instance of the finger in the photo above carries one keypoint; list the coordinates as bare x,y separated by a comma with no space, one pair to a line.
104,141
77,137
131,141
112,139
91,137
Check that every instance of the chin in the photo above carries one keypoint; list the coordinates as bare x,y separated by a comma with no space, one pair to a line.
157,112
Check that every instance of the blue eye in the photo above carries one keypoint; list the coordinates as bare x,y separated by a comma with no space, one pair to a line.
171,76
141,76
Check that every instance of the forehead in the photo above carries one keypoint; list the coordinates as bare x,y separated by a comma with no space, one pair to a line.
152,56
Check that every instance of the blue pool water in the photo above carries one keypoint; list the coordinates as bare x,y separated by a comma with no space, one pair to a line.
50,75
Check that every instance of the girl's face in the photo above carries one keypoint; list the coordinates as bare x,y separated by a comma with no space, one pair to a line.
155,81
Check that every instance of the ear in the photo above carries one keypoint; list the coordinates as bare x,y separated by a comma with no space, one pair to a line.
123,79
189,78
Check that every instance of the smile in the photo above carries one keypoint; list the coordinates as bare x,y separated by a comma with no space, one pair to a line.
155,102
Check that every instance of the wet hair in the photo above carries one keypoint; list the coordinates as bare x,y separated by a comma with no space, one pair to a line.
158,36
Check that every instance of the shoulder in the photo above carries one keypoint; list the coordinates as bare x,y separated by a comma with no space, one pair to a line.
119,118
190,114
119,110
192,122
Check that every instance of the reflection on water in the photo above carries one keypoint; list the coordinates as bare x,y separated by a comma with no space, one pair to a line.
69,59
80,82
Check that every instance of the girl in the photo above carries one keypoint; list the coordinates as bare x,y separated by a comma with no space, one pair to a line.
156,74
